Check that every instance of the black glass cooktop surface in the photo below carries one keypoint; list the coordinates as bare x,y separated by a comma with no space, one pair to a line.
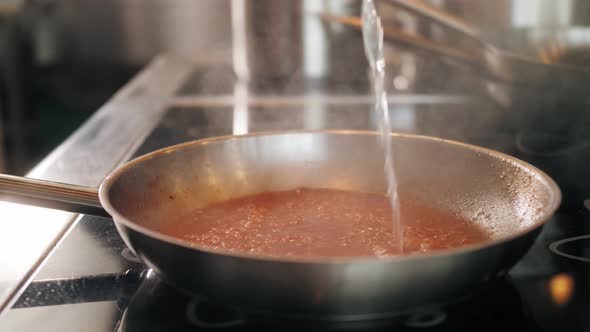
92,282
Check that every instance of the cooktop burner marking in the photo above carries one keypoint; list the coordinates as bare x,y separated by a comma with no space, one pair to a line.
127,254
427,318
230,318
554,247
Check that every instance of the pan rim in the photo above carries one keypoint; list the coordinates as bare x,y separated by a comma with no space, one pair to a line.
555,201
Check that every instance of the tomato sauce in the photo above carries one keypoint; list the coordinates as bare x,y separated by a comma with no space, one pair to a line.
308,222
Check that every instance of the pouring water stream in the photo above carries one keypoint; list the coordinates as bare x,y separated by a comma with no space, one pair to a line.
373,44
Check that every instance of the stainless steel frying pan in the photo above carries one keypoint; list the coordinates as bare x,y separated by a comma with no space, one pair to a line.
505,196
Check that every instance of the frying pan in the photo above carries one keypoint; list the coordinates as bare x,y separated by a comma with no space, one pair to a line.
507,197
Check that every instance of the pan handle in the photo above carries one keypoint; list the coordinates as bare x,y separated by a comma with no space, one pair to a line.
53,195
406,39
440,17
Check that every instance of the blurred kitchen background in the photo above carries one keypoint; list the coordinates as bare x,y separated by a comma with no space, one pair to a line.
62,59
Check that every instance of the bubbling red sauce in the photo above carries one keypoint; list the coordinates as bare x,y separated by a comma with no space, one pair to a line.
308,222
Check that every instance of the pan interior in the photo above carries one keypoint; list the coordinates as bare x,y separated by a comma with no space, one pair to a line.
503,196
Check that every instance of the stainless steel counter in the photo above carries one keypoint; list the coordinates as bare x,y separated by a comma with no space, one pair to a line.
28,235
